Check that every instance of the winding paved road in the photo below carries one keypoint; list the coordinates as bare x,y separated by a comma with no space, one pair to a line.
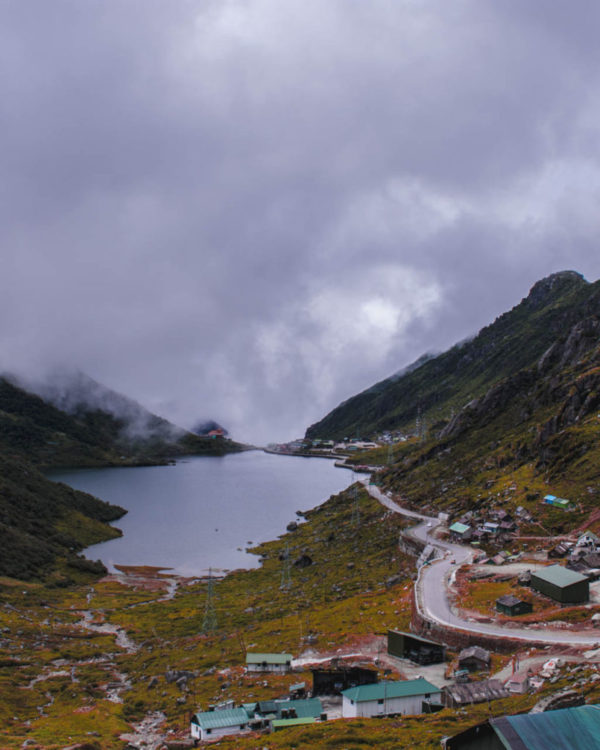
431,590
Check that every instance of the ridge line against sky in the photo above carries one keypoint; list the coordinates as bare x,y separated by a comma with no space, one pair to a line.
251,211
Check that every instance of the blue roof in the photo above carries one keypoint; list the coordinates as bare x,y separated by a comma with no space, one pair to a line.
230,717
398,689
575,728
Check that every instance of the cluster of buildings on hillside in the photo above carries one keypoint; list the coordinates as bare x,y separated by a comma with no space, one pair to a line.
357,692
582,556
304,446
495,527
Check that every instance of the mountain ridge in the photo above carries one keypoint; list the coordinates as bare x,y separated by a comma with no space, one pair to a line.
44,524
444,383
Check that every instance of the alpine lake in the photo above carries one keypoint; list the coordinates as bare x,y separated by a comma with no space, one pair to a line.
203,512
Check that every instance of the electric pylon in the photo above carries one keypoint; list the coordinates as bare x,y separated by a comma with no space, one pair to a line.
209,624
286,571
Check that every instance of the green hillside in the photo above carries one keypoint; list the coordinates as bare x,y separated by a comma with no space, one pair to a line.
35,429
443,384
532,430
43,525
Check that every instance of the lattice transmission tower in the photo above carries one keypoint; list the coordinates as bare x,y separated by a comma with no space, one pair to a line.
209,624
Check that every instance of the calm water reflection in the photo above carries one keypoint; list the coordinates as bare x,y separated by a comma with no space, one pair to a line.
198,513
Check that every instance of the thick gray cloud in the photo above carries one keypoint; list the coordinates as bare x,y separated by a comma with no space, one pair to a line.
252,210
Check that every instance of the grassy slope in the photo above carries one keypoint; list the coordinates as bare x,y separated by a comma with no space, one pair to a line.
342,597
529,444
42,521
445,383
340,600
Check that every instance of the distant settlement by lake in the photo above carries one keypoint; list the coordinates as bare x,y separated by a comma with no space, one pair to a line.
204,511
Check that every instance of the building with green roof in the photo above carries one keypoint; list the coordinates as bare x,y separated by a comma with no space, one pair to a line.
268,662
208,725
298,708
385,698
576,728
561,584
460,531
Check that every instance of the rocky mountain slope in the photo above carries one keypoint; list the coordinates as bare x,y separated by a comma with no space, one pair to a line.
533,425
442,384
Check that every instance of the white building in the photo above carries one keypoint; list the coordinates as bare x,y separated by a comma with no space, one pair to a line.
268,662
385,698
208,725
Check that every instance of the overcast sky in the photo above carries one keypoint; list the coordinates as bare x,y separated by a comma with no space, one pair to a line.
252,210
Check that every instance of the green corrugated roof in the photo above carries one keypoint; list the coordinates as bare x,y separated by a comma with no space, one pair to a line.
218,719
283,723
297,686
558,575
459,528
575,728
304,707
268,658
398,689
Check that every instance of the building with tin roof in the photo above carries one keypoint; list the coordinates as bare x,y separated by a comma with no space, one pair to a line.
386,698
512,606
208,725
268,662
575,728
456,696
460,531
561,584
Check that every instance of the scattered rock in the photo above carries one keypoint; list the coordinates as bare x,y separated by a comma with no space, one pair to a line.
174,675
304,561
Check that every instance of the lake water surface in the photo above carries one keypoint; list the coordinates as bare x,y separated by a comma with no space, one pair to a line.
197,513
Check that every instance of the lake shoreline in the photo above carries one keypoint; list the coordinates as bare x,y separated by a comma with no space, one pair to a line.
201,512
